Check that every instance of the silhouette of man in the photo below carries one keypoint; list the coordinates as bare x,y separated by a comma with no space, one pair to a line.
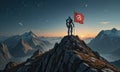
70,25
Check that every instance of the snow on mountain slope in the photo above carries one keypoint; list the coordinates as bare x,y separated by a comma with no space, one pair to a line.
28,35
21,49
106,41
35,42
24,42
12,41
4,55
4,50
112,33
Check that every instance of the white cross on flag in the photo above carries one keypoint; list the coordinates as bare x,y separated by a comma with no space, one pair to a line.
78,17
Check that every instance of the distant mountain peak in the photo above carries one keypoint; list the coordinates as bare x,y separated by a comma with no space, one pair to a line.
114,30
106,41
108,33
29,34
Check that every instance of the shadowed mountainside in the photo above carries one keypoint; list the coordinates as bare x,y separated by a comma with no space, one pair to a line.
106,41
70,55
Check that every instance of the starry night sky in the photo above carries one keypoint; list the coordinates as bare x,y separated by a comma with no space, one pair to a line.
47,17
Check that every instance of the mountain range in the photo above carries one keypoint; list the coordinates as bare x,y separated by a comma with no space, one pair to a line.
19,46
4,55
106,42
23,44
70,55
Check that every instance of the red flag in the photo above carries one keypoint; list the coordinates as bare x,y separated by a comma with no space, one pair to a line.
78,17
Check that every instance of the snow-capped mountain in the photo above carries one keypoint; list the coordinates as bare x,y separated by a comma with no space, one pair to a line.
70,55
19,47
11,42
21,44
106,41
4,55
28,35
34,41
22,49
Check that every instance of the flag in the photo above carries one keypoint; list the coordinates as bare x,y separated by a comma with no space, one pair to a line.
78,17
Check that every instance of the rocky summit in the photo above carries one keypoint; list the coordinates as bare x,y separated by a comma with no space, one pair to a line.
70,55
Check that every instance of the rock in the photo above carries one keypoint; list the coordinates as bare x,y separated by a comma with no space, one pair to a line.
67,56
37,53
10,65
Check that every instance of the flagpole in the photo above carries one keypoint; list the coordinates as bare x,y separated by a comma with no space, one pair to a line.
74,29
79,18
74,26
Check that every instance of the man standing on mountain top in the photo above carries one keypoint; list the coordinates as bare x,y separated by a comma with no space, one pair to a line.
70,25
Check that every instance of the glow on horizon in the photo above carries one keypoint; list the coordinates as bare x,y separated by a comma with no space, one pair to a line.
64,33
82,32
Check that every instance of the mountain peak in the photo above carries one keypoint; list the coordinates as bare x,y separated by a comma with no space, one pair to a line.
70,55
69,39
106,41
72,42
108,33
29,34
114,30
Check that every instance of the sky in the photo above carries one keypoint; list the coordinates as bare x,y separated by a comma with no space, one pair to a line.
48,17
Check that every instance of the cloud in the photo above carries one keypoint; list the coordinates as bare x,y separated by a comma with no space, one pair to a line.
105,22
20,23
